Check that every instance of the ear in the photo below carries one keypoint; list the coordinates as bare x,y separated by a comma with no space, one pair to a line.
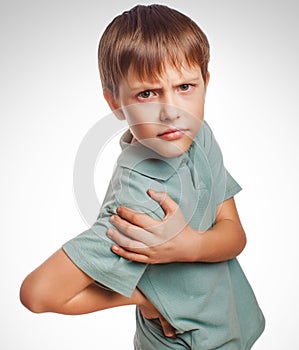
207,79
114,105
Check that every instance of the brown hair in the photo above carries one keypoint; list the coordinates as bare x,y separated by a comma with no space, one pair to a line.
146,38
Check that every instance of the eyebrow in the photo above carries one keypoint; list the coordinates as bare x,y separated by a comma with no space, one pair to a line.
146,85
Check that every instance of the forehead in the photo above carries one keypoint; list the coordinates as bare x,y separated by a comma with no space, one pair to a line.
169,73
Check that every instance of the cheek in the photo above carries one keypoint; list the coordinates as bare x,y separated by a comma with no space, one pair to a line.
194,107
137,131
199,112
143,120
141,113
199,105
143,131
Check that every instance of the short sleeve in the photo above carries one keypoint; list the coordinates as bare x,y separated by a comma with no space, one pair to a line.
91,250
231,187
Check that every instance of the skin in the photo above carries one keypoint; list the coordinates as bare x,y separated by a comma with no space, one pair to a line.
173,103
59,286
224,241
153,108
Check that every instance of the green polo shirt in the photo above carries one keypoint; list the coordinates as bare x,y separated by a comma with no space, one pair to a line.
215,298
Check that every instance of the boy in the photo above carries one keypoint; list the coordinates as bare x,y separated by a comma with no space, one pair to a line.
153,64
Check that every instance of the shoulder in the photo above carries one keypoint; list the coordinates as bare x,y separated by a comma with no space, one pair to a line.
208,150
205,137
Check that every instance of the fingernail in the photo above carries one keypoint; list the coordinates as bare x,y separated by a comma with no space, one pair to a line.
115,248
157,195
109,232
150,191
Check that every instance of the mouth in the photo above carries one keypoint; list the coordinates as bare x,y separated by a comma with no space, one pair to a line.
172,134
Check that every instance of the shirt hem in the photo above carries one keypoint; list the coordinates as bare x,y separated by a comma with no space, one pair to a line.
108,280
255,337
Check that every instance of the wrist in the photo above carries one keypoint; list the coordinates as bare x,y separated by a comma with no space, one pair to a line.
192,242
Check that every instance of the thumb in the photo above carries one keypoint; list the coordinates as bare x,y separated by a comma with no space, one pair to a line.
167,203
168,330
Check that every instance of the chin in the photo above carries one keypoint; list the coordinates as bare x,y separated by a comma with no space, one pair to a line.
170,153
168,149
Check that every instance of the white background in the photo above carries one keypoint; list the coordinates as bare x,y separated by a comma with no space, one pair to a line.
51,97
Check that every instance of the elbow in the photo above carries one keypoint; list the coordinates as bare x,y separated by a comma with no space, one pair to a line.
31,296
243,242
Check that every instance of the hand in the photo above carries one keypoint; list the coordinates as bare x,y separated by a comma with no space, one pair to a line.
148,311
143,239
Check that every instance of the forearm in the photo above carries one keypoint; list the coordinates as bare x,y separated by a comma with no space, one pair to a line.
96,298
225,240
222,242
59,286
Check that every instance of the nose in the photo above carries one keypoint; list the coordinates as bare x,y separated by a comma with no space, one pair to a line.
169,112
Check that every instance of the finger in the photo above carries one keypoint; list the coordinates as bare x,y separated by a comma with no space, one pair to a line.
130,255
124,241
135,233
138,219
167,203
168,330
132,231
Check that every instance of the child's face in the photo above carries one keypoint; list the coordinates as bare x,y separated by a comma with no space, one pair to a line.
166,114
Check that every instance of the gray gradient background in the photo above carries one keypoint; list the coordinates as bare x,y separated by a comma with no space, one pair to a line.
51,96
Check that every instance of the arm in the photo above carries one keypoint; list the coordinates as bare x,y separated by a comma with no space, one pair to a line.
225,240
58,285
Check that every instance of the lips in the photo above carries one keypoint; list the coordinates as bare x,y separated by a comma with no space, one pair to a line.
172,134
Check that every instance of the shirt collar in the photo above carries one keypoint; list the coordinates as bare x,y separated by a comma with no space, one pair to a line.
145,161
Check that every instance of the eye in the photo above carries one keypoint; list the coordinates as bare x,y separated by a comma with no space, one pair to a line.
145,94
185,87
